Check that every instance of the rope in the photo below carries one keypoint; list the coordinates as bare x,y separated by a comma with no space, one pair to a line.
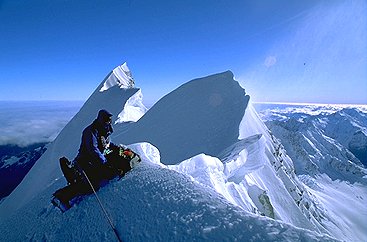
103,209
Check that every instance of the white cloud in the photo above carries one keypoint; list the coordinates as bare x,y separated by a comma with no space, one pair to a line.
26,123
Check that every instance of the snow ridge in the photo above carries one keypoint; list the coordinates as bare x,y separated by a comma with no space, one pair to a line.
319,145
259,178
211,170
133,110
120,76
66,144
151,203
201,116
326,143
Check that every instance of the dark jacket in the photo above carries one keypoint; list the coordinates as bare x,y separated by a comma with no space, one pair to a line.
95,139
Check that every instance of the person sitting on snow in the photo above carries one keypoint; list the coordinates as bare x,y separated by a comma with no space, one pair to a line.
91,163
95,142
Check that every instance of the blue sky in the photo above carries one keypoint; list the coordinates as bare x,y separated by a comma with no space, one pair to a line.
280,51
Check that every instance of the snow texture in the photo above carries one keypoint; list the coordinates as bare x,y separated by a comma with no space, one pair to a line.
120,76
46,170
149,204
319,138
332,143
201,116
133,110
211,170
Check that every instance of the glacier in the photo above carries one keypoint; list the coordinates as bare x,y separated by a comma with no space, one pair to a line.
210,170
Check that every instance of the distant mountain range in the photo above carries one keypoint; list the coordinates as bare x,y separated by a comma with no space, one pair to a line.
321,139
15,162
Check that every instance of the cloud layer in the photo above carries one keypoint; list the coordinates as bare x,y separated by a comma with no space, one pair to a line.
26,123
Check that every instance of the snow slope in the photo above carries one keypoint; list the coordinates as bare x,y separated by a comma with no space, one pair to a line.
201,116
150,203
318,139
215,172
249,168
335,143
46,169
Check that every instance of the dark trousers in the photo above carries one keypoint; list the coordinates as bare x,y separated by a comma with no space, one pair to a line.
97,177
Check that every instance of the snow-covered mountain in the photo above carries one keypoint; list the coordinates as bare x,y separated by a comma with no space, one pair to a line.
327,144
333,142
211,170
15,162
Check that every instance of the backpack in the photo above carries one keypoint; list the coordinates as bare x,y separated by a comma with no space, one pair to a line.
121,159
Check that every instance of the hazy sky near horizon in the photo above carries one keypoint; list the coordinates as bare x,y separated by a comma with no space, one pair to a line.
30,122
280,51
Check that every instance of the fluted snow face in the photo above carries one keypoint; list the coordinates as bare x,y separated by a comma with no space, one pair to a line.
120,76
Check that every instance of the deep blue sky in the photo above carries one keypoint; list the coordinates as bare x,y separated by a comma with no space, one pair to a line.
280,51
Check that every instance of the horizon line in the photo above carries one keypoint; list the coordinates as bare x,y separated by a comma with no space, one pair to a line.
310,103
254,102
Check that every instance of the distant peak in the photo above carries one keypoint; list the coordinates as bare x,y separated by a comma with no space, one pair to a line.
120,76
225,75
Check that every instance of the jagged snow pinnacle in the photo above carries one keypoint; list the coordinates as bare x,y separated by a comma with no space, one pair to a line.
133,110
120,76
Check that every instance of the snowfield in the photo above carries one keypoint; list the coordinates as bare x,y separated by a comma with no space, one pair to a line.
211,171
151,203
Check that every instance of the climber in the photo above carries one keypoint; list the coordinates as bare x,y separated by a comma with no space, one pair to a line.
91,162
